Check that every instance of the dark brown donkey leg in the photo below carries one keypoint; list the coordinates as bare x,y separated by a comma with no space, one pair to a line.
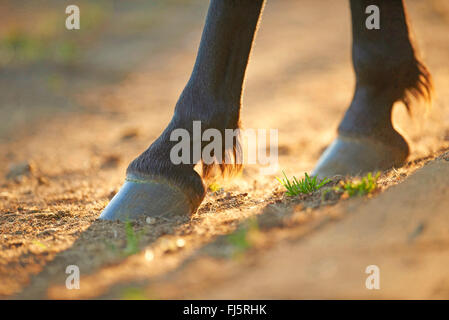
155,185
387,70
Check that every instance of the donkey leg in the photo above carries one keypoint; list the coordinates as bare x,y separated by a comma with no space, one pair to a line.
154,184
387,70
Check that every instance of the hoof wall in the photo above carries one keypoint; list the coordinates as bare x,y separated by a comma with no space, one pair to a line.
356,156
139,197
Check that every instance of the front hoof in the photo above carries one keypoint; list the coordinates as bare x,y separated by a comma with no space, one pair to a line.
357,155
140,196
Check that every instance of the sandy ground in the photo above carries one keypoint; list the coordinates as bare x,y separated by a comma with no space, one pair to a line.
300,82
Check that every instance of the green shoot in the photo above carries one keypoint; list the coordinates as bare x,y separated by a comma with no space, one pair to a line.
242,239
364,186
40,244
134,294
214,187
304,186
132,239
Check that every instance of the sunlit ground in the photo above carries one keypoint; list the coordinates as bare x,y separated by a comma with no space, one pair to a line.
77,106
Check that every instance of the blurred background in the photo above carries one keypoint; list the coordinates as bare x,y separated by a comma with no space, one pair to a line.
43,66
301,62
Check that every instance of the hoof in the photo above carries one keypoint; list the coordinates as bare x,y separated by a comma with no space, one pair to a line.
140,196
356,156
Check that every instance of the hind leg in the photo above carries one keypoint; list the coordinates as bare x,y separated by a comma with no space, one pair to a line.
387,70
156,185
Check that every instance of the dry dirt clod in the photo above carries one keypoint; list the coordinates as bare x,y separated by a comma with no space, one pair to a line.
444,156
18,170
130,133
47,232
5,195
150,220
41,180
168,245
110,161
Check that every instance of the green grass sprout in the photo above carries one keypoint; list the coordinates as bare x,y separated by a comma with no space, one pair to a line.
214,187
364,186
303,186
242,239
132,239
40,244
134,294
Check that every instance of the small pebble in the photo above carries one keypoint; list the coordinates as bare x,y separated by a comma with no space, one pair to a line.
149,255
150,220
180,243
20,169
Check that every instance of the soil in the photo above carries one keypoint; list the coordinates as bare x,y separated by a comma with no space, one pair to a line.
60,167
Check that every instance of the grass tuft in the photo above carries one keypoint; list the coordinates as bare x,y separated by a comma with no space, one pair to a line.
134,294
304,186
214,187
243,238
132,240
364,186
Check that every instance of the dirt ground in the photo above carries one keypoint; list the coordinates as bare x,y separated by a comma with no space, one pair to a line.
68,132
